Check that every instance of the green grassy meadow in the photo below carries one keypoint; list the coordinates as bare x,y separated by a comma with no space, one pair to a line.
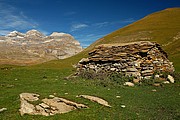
140,101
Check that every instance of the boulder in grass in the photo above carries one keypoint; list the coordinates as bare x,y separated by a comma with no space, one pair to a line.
171,79
130,84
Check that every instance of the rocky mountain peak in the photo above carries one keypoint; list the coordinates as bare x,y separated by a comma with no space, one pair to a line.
58,34
34,47
34,34
15,34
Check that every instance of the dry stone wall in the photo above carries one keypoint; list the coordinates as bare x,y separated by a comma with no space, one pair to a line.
138,59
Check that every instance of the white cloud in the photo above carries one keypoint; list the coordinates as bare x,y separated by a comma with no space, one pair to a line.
12,19
102,24
4,32
76,27
106,24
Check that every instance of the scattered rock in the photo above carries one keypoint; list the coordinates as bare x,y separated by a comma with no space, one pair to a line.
162,79
123,106
157,84
27,108
136,80
156,77
95,99
48,106
118,96
51,96
71,103
170,78
154,90
29,96
58,106
166,82
130,84
3,109
44,105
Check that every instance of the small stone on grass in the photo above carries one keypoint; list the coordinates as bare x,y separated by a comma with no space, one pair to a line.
3,109
51,96
118,96
123,106
154,90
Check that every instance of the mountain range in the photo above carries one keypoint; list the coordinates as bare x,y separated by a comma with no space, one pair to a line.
34,47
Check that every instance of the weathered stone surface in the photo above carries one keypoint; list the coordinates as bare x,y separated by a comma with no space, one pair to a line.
138,59
132,69
3,109
27,108
170,78
157,84
130,84
29,96
60,107
156,77
33,47
166,82
136,80
123,106
47,106
154,90
51,96
95,99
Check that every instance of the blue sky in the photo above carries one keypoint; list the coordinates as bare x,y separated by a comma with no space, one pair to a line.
86,20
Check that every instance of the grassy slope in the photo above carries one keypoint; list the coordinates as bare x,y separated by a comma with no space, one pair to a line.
163,25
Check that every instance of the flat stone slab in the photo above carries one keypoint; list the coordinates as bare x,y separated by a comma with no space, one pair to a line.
95,99
46,106
3,109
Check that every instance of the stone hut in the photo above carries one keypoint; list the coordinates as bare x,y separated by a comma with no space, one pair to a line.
140,59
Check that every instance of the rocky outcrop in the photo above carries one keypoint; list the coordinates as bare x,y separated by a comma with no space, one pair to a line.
34,47
95,99
47,107
15,34
34,34
53,105
138,59
3,109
